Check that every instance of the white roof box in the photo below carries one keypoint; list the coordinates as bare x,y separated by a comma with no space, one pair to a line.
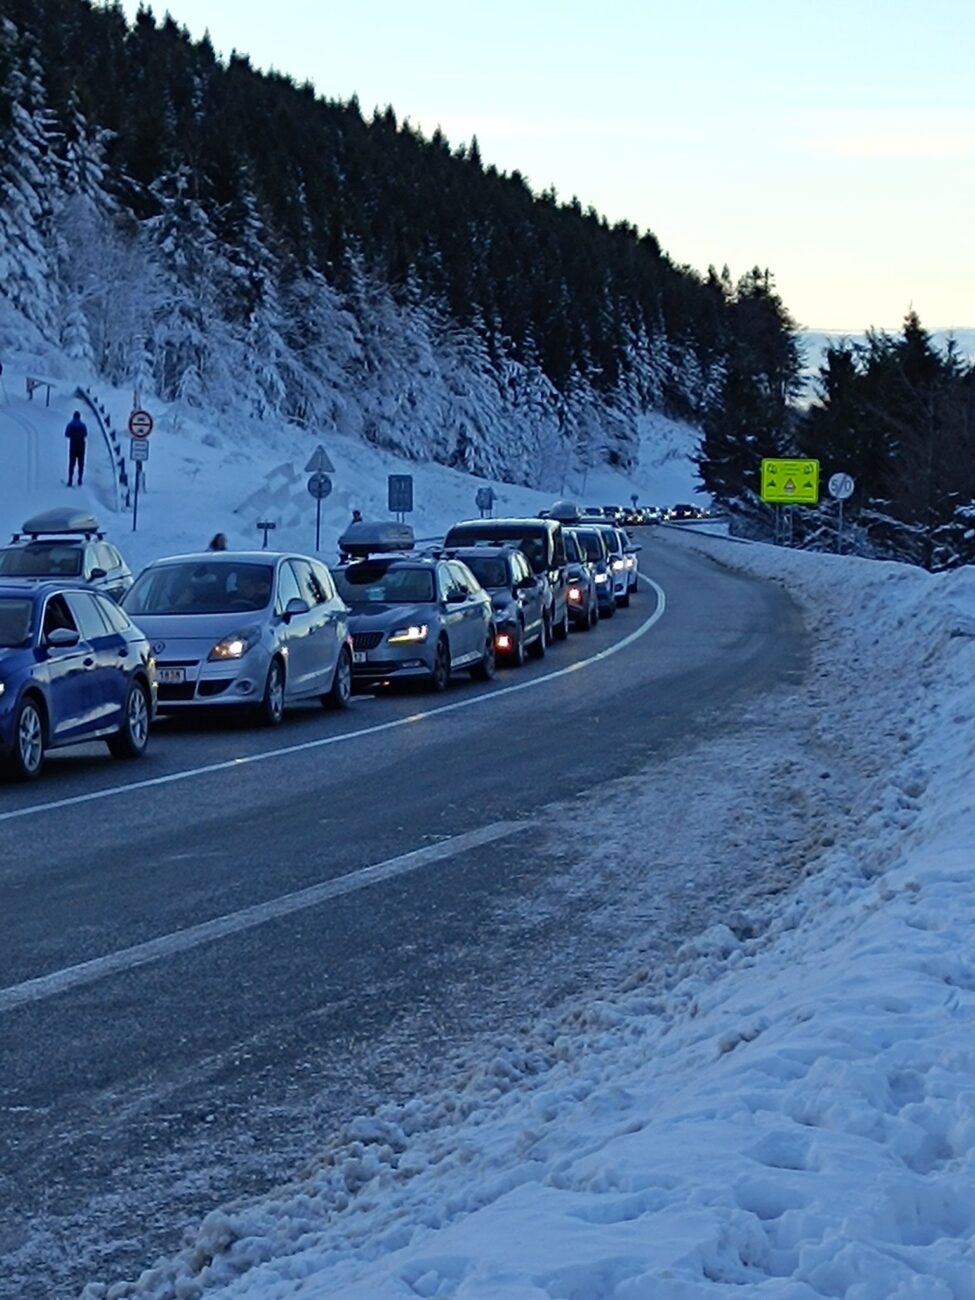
62,519
376,537
566,512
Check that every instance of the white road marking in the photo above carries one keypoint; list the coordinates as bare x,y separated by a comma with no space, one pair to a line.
48,986
113,792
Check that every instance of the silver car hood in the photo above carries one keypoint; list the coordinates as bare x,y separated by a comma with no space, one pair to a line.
377,618
173,630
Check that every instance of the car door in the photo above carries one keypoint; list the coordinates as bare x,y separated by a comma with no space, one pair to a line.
321,628
453,612
67,672
337,611
294,631
107,650
531,595
475,621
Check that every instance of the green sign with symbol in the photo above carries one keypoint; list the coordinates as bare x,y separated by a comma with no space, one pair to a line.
790,482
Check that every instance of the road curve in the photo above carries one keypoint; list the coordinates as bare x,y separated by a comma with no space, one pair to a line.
214,956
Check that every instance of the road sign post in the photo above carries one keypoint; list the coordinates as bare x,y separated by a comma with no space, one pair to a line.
840,488
790,482
400,495
266,526
319,485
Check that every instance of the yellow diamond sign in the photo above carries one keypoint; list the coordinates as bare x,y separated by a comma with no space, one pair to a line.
790,482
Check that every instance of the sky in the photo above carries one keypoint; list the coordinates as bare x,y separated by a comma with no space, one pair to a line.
832,144
785,1112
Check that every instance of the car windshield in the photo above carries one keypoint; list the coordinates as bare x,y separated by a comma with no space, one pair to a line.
15,621
200,587
377,582
41,560
532,543
591,545
489,570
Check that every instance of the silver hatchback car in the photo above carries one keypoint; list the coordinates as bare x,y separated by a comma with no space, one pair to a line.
249,628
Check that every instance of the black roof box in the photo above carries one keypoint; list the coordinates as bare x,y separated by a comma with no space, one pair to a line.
379,537
62,519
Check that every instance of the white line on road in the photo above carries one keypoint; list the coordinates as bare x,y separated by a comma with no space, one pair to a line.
113,792
48,986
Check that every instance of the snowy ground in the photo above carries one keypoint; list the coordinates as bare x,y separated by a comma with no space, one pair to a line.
787,1109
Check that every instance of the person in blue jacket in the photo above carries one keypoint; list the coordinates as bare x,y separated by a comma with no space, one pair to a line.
76,434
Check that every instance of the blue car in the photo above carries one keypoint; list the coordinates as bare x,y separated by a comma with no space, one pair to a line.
73,668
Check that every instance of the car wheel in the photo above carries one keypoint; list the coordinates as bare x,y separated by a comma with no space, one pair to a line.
540,644
623,601
609,611
485,670
594,613
270,711
27,756
132,737
341,692
519,654
547,628
440,673
562,629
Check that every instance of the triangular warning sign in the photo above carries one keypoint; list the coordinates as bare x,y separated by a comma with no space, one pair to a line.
789,486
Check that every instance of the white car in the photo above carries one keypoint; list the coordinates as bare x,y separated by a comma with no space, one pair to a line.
250,628
623,562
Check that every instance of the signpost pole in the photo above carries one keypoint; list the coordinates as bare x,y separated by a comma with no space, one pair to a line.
318,524
135,497
839,530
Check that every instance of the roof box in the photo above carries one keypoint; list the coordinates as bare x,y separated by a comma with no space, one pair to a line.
379,537
566,512
62,519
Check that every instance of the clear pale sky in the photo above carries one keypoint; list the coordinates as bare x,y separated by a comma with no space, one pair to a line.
833,143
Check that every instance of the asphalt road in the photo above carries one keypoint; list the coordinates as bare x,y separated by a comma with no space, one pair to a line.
172,1033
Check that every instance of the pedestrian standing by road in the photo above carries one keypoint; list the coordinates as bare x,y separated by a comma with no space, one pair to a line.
76,433
218,542
356,517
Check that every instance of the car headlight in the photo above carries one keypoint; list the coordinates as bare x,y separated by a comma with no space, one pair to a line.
629,562
618,565
235,646
602,577
411,635
2,688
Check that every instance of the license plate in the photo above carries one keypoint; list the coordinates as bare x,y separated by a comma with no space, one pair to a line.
171,676
359,656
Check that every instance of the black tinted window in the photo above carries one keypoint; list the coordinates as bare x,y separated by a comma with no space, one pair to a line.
200,587
15,621
41,560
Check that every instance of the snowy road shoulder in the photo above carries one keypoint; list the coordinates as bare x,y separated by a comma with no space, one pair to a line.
789,1108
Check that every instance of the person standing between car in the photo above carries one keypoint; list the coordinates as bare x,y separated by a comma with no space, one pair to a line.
76,433
356,517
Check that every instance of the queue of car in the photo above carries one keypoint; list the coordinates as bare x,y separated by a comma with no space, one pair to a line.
87,653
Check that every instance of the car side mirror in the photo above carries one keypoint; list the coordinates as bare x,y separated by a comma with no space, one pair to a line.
62,637
97,573
456,597
528,583
294,607
632,550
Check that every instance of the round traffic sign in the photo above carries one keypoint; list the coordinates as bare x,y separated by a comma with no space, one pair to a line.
140,424
319,485
840,486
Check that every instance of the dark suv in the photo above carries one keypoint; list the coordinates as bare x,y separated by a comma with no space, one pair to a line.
65,543
543,544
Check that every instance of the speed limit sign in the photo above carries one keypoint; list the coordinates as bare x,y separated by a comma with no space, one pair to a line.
140,424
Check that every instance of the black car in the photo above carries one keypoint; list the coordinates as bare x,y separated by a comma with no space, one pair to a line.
582,594
65,544
543,544
592,541
516,596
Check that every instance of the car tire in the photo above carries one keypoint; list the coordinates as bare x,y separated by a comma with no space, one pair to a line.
270,711
341,692
623,601
609,611
132,737
547,628
561,630
594,613
27,755
440,673
539,646
520,653
485,670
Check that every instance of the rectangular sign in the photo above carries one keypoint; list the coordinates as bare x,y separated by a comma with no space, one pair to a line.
138,450
400,493
790,482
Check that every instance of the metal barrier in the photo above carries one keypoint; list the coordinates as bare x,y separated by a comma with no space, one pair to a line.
116,451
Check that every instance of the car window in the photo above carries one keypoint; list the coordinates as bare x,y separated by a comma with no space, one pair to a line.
464,578
289,587
90,623
571,549
377,582
446,582
57,614
489,570
16,616
558,548
106,557
110,612
593,545
42,560
325,579
200,587
311,588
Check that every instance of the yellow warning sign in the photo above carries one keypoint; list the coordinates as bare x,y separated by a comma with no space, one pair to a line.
790,482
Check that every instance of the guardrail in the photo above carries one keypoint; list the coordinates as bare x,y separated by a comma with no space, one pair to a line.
116,451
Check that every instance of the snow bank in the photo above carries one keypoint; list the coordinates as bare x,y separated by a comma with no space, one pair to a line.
787,1111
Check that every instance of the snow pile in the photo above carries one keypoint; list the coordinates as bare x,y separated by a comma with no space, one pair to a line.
788,1108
